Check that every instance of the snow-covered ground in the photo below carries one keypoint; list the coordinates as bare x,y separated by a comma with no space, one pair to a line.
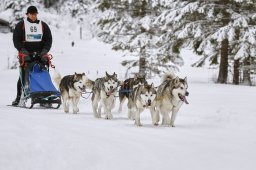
216,131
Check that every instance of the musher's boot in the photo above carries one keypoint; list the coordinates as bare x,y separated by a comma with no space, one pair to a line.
16,101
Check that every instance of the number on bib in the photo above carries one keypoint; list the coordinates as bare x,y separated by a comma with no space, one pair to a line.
33,29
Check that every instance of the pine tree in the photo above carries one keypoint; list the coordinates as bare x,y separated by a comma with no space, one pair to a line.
209,28
18,8
50,3
75,8
128,26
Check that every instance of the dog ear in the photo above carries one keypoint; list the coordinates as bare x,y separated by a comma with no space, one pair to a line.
115,75
107,74
185,79
176,80
135,75
89,83
75,75
120,83
83,74
152,85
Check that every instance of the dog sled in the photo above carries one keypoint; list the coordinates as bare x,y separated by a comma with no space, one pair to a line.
37,86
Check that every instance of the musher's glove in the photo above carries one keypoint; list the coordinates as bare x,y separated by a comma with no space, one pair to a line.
25,53
43,52
43,56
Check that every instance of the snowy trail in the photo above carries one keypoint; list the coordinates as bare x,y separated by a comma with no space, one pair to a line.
215,131
54,140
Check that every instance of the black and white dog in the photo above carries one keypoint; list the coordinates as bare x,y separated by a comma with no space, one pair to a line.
141,98
71,88
104,91
128,86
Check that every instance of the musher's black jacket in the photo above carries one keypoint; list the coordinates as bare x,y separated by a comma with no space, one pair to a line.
19,38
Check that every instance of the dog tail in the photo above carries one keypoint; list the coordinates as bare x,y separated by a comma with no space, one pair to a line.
168,76
57,77
89,83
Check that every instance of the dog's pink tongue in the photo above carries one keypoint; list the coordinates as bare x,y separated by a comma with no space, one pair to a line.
185,100
110,92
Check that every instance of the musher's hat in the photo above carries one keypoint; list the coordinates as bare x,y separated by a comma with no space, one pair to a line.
32,10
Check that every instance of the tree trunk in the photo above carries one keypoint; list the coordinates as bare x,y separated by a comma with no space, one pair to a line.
236,65
236,72
49,3
142,64
46,4
246,73
223,70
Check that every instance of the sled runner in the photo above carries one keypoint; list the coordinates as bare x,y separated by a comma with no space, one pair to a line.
37,86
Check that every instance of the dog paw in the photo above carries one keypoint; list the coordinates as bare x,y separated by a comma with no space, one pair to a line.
66,111
75,111
97,116
131,118
166,124
138,124
170,125
109,116
155,124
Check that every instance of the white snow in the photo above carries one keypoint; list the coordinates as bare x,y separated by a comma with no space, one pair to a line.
216,131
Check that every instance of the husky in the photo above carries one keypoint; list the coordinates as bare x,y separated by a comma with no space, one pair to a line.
171,94
128,86
71,88
104,91
141,98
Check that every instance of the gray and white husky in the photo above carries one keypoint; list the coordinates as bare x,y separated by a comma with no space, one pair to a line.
71,88
141,98
171,94
104,91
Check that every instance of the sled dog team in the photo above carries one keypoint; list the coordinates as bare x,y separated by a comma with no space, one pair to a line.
166,99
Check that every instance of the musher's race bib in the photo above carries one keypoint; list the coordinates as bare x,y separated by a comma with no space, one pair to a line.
33,31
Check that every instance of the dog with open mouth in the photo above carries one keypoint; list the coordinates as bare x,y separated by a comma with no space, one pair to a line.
103,94
171,94
71,88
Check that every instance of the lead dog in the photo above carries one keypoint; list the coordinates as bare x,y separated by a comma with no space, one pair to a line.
141,98
171,94
71,88
104,91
